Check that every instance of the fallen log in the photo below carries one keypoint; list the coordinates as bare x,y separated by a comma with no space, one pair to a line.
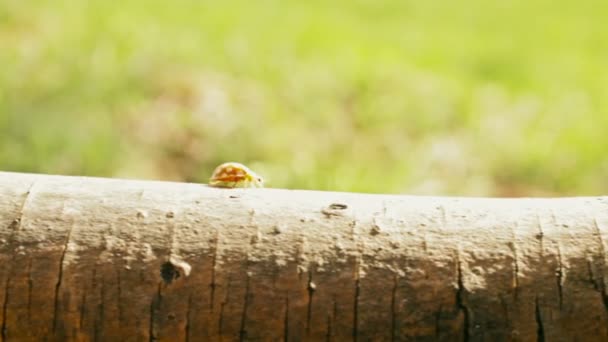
106,259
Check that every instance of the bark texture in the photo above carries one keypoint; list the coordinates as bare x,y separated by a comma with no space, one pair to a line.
87,259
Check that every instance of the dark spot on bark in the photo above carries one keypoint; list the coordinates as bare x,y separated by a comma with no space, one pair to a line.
276,230
171,316
15,223
169,272
334,209
338,206
540,329
375,230
170,214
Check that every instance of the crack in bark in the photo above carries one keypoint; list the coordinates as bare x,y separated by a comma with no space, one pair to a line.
335,314
328,335
591,276
357,276
559,276
286,320
250,247
99,312
540,330
151,323
102,305
460,301
213,267
242,331
311,292
222,305
60,277
559,273
154,305
100,318
356,304
119,296
5,307
82,310
394,308
513,248
188,319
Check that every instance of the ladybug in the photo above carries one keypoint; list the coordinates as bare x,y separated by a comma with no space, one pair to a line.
235,175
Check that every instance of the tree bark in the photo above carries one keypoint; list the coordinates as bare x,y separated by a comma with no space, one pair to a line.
86,259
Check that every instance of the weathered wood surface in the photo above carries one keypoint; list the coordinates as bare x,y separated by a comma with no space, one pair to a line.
106,260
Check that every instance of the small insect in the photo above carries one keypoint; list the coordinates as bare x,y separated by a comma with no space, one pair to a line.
235,175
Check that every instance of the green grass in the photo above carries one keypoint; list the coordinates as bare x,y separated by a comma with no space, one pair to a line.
470,98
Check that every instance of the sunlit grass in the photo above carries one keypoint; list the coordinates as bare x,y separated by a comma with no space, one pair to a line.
475,98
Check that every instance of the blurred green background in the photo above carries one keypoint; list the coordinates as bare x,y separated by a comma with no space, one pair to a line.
425,97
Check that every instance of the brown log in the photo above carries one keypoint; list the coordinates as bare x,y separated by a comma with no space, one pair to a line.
87,259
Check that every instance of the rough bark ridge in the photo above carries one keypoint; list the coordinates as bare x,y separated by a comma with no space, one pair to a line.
101,259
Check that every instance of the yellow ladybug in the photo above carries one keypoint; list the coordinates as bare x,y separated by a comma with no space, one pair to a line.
235,175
